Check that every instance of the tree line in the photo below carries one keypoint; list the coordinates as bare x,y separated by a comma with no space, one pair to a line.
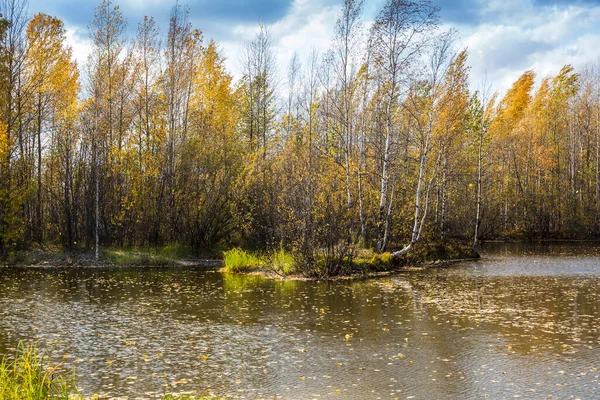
378,142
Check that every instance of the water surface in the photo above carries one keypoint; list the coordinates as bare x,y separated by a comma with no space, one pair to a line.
523,322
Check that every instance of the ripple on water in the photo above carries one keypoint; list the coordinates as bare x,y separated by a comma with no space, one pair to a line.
464,332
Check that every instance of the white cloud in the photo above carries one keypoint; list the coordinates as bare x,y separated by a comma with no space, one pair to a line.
79,41
516,36
308,24
543,39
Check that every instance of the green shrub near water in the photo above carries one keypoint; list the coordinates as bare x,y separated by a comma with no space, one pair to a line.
238,260
283,262
280,262
25,377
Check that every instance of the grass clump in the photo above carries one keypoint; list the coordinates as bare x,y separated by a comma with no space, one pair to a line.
25,377
283,263
238,260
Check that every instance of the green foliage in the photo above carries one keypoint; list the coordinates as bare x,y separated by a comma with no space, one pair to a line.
283,262
24,376
238,260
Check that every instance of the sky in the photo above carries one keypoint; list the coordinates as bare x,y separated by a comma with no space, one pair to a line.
504,38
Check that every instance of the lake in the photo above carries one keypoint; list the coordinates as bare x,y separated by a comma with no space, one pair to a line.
523,322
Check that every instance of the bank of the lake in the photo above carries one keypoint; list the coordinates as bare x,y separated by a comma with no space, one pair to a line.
357,263
26,375
56,257
523,320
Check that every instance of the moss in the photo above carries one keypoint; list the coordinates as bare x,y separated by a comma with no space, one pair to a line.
367,261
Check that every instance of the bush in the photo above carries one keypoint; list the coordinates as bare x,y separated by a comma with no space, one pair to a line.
238,260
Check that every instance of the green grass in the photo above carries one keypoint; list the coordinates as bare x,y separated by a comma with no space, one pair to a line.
30,257
283,263
24,376
55,255
167,255
280,262
238,260
133,257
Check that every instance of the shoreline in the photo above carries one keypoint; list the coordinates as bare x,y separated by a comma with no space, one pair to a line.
529,241
209,264
218,266
364,264
437,264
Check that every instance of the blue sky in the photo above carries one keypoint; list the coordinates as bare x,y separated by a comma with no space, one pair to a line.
504,37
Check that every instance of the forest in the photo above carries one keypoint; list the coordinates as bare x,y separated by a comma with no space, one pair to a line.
380,142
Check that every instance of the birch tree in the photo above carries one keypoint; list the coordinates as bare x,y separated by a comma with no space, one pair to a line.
399,35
